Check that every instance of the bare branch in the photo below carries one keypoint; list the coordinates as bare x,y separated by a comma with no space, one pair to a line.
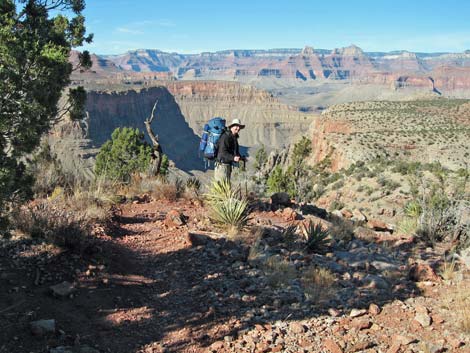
147,122
157,149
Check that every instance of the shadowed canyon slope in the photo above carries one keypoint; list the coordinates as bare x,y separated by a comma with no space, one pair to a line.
182,110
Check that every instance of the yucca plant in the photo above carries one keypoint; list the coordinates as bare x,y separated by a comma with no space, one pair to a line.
193,184
222,190
288,234
413,209
316,237
227,206
231,211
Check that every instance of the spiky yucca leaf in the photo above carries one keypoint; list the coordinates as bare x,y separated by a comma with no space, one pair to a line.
316,237
231,212
288,233
413,209
222,190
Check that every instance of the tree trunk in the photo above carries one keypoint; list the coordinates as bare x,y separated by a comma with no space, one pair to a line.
156,160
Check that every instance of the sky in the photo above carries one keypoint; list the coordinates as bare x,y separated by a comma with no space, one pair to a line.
197,26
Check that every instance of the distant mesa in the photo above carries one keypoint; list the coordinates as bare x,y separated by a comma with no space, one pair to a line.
352,50
302,65
308,51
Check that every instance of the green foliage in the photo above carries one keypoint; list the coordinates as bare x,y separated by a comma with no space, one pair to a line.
193,184
126,153
227,206
316,238
260,158
278,181
413,209
164,167
35,43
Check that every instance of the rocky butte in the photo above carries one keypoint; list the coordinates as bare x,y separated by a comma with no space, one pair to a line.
278,93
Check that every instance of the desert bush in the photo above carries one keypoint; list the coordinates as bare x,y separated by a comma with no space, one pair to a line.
193,183
407,226
289,234
48,173
125,154
342,229
318,283
278,181
316,237
442,213
279,272
54,222
336,205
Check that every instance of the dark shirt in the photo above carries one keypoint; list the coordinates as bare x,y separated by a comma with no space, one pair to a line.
228,148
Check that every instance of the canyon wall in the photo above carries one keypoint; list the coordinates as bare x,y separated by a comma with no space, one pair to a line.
183,109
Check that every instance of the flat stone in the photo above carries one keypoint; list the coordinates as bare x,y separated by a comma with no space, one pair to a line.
361,346
42,327
374,309
423,319
361,324
374,281
365,234
63,289
357,312
395,348
334,312
332,346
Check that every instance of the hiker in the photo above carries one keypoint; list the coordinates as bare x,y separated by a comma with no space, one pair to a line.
228,151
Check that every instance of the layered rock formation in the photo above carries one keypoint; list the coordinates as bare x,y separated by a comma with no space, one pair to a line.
183,109
349,63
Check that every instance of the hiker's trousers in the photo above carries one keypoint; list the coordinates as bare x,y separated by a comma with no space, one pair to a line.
222,171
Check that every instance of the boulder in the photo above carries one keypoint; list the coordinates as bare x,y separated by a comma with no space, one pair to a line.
42,327
174,218
422,272
280,199
63,289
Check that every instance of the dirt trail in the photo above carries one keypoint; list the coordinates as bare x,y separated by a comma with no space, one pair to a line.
152,286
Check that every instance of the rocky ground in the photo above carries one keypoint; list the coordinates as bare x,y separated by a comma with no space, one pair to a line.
161,278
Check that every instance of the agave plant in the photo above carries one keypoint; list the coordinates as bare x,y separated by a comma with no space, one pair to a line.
316,237
227,206
193,183
413,209
222,190
288,233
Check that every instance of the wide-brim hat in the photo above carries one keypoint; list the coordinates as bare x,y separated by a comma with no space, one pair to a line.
236,122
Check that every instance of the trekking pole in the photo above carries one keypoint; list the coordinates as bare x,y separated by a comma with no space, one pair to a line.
244,172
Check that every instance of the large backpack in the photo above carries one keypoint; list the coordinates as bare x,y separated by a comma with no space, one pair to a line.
210,137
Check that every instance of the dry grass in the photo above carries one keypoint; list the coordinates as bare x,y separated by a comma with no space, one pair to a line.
407,226
279,271
55,222
448,270
457,302
318,283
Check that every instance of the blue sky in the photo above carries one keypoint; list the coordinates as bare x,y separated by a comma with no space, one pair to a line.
185,26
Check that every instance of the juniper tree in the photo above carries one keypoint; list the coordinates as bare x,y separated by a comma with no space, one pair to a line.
34,71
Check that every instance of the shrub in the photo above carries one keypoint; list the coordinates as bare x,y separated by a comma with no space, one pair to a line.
54,223
316,237
278,181
227,205
318,283
126,153
193,185
279,271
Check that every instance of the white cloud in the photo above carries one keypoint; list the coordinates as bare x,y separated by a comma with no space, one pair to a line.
128,30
